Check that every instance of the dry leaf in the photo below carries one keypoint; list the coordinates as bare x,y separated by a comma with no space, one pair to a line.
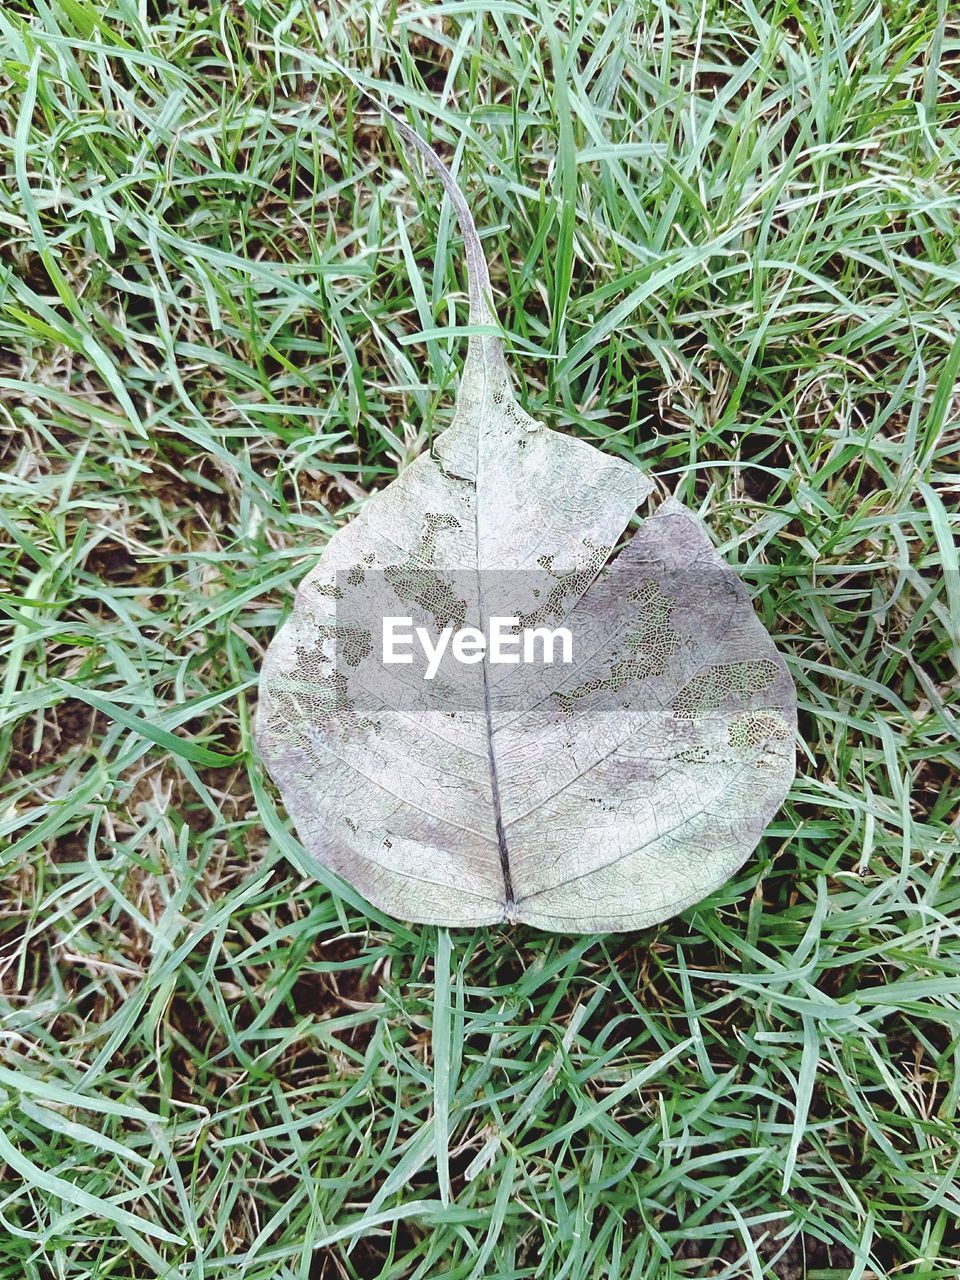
604,793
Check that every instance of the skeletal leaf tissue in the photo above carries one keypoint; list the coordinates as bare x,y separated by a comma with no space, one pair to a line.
603,793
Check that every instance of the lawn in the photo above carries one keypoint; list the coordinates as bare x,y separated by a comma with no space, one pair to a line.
724,245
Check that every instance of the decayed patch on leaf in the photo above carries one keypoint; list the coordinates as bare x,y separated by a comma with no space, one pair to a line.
606,792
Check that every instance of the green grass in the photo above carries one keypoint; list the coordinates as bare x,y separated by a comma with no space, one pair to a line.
724,241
